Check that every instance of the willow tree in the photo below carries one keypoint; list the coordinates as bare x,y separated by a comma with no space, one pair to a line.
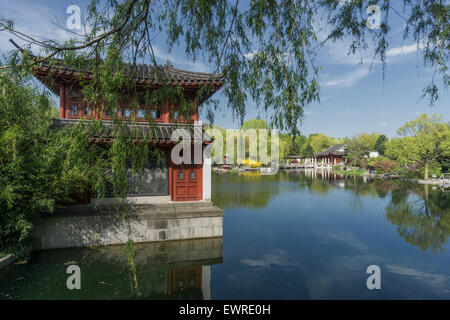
265,49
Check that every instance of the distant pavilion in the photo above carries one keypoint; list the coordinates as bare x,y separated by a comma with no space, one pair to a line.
333,155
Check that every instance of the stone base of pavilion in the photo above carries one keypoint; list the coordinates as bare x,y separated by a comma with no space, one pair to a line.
109,224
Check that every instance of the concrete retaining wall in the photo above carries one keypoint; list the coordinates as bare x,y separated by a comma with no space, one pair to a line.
85,226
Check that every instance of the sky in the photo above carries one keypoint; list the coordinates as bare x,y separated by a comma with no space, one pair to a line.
354,97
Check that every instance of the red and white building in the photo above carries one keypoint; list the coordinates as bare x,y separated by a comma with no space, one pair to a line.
186,182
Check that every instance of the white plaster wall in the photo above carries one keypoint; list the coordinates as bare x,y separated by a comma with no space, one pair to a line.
207,179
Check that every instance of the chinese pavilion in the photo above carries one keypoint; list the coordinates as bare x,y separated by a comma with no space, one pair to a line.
185,182
333,155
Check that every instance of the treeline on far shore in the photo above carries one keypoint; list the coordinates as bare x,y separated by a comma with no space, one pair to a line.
421,149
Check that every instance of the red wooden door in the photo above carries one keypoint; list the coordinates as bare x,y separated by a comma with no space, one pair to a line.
187,183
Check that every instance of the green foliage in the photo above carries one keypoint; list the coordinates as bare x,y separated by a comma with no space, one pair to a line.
25,174
356,151
424,223
42,166
294,149
434,169
444,162
424,140
255,124
308,152
319,142
368,140
380,144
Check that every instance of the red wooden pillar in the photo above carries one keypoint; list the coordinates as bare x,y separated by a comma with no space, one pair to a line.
165,112
62,104
66,103
194,117
96,112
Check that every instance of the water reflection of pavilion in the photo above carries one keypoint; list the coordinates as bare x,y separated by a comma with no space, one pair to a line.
190,282
177,269
164,270
323,173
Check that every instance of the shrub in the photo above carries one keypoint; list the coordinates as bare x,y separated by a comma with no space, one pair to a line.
384,166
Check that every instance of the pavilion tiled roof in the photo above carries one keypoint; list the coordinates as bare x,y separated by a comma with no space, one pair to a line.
156,132
338,150
145,72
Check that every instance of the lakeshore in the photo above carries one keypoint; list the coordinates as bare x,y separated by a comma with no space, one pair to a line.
360,173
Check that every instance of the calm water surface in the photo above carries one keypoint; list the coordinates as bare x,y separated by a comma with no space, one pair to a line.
295,235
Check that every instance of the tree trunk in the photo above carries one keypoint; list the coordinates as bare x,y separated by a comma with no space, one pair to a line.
426,171
426,196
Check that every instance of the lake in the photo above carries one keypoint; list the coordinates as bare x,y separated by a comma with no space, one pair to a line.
295,235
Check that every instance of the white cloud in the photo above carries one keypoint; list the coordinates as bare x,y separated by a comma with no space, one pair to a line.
432,279
268,260
348,239
383,124
349,79
404,50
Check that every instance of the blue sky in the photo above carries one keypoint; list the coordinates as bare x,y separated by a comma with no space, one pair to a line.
354,99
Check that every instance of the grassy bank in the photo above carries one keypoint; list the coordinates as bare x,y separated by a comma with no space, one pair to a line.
350,172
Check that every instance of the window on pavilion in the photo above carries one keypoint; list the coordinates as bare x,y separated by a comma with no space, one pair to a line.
126,113
156,114
142,113
73,110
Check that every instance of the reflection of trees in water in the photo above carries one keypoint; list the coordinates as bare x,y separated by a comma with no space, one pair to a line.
319,187
423,222
251,189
